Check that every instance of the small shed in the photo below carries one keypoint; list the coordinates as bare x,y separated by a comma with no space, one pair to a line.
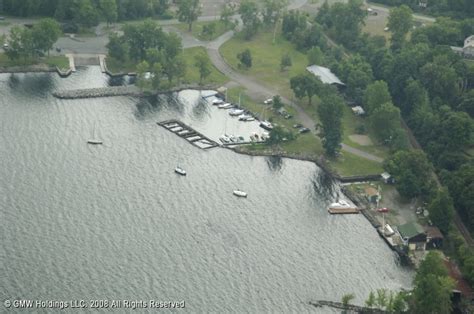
413,235
372,194
434,237
387,178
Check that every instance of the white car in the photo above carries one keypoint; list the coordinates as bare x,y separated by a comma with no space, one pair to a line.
268,101
5,46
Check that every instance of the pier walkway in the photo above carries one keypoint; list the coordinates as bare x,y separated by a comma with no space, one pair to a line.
189,134
72,65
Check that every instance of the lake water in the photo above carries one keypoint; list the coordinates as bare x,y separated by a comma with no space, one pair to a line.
82,222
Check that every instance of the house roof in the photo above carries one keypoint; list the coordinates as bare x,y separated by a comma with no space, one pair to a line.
434,232
410,230
469,41
324,74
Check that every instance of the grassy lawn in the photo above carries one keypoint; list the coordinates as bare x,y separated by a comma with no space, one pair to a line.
350,165
266,58
192,72
350,122
198,27
59,61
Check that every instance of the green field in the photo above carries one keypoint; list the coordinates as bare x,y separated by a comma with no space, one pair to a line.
351,165
59,61
266,58
198,27
192,72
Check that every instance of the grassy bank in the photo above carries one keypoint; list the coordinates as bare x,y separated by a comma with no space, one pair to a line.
198,27
266,58
192,72
59,61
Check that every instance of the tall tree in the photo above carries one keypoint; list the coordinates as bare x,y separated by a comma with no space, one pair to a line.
203,64
432,292
385,120
441,210
109,10
189,11
400,21
249,13
330,113
45,33
376,95
305,85
412,172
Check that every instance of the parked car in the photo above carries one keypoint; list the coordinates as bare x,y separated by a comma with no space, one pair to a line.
304,130
5,46
268,101
297,126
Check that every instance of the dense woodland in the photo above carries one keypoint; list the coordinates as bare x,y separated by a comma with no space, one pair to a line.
454,8
85,12
423,81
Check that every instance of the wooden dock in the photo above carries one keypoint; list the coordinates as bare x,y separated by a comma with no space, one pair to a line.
343,211
192,136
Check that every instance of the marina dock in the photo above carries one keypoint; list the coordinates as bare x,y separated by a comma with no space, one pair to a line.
192,136
343,211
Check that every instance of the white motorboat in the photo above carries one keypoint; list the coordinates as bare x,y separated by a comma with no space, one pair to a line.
244,117
180,170
236,112
217,101
240,193
341,204
224,139
225,106
266,125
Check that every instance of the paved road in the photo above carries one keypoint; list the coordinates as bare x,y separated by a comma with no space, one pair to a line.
386,10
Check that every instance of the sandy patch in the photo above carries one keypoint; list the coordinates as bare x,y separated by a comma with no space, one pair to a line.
363,140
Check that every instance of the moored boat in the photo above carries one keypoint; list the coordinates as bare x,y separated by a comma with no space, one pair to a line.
225,106
180,170
266,125
240,193
236,112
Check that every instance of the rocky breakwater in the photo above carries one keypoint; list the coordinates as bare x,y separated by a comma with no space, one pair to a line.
98,92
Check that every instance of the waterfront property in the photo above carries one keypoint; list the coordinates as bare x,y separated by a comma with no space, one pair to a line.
413,235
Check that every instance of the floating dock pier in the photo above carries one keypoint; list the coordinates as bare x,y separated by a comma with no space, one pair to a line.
343,211
192,136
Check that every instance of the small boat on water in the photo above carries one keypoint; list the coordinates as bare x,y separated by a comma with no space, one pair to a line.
236,112
340,204
342,207
180,171
94,142
217,101
225,106
266,125
240,193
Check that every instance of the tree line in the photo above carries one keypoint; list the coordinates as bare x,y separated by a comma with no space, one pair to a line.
420,79
453,8
25,42
86,12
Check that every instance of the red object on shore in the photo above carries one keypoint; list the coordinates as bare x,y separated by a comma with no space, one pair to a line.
383,210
